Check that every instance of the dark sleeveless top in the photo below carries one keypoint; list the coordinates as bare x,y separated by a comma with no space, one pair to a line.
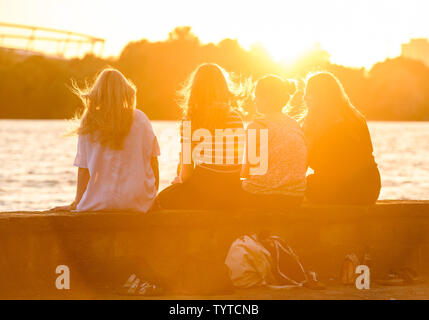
343,150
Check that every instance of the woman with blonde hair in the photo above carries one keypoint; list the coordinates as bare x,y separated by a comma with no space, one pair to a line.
283,184
340,147
209,178
117,149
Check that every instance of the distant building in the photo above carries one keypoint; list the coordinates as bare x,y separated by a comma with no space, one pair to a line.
417,49
27,40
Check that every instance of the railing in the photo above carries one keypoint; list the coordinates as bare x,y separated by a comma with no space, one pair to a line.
12,34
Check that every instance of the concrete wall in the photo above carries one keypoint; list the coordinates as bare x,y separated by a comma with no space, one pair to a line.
185,250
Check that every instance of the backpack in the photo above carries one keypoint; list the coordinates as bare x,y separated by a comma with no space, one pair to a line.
287,268
249,263
269,261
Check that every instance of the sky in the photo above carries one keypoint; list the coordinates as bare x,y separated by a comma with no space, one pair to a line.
355,32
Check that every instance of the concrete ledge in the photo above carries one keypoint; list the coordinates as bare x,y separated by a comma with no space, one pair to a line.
171,247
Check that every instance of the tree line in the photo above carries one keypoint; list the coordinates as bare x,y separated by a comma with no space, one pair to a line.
38,87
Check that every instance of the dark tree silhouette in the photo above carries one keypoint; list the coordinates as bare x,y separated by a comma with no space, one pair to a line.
38,86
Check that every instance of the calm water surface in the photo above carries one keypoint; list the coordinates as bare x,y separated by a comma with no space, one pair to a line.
36,159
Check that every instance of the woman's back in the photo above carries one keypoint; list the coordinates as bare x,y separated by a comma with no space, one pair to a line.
226,151
340,147
287,158
210,163
120,179
343,149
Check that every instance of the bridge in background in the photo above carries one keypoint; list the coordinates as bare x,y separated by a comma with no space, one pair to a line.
40,39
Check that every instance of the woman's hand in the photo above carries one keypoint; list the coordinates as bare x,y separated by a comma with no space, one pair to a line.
61,208
69,207
176,180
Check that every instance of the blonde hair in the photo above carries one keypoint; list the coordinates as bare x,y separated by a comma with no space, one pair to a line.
208,96
109,106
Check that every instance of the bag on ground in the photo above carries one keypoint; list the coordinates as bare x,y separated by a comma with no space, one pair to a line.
249,263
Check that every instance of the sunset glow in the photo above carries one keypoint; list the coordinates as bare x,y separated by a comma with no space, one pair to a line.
355,33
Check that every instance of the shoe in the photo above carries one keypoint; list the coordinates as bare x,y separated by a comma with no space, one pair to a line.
313,283
130,281
126,288
133,288
148,289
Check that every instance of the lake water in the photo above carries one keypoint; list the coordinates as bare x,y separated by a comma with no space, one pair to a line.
36,159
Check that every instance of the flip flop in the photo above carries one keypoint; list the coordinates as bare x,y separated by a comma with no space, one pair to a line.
409,275
392,279
130,286
150,290
313,283
130,281
132,290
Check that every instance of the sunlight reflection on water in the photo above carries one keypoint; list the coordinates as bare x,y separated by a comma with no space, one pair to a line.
36,169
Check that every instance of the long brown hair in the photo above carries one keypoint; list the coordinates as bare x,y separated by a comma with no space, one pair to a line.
208,96
330,104
109,106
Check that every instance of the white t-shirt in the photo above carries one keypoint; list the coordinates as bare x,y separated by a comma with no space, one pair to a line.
120,179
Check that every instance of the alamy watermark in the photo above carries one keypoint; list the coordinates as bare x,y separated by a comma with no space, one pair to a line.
363,280
62,282
226,147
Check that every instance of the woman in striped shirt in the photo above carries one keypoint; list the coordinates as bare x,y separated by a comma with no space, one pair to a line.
212,139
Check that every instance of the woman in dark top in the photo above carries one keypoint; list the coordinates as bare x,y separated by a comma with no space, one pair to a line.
339,145
213,140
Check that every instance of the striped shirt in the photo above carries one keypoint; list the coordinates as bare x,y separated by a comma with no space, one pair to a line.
220,149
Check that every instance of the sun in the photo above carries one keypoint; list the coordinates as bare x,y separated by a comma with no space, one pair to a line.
287,52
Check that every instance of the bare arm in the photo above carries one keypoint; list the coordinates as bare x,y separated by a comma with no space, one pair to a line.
246,165
155,167
184,170
82,183
83,177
